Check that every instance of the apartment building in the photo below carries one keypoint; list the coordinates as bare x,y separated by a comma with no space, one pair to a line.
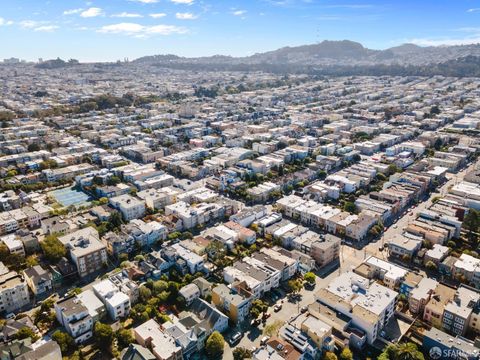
75,318
86,250
151,335
38,279
157,199
433,312
462,312
368,304
236,304
13,292
129,206
467,267
117,303
421,295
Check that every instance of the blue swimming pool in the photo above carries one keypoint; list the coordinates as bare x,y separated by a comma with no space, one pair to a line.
70,196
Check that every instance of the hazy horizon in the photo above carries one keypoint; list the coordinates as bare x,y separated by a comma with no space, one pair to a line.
107,30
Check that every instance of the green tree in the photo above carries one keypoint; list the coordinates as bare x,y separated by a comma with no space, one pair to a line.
214,345
33,147
258,307
346,354
381,177
295,285
115,220
329,356
123,257
53,248
25,333
403,351
471,223
430,265
145,293
124,338
103,335
113,180
272,329
310,277
65,341
349,207
31,261
240,353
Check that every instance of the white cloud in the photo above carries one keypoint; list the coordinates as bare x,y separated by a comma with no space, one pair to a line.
4,22
146,1
139,30
91,12
445,41
187,2
72,11
158,15
127,15
185,16
473,10
46,28
29,24
239,12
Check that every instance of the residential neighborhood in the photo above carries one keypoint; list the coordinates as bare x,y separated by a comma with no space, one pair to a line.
283,217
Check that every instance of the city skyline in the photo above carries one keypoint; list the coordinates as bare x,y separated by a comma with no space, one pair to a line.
105,30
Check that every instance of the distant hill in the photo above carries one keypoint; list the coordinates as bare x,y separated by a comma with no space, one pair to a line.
326,58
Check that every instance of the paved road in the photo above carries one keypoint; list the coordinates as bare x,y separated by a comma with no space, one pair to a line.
253,335
402,223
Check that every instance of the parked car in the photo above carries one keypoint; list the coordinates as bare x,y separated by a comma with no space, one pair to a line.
255,322
235,338
264,340
303,309
277,307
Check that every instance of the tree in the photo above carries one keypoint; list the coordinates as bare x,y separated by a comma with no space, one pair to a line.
349,207
272,329
295,285
404,351
33,147
145,293
310,277
124,338
123,257
471,222
329,356
258,307
240,353
322,174
115,220
24,333
103,335
430,265
214,345
75,291
113,180
159,286
53,248
381,177
346,354
31,261
65,341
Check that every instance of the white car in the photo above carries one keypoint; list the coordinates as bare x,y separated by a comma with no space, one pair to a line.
264,340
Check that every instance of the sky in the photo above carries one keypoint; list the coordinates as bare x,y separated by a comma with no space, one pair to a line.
108,30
